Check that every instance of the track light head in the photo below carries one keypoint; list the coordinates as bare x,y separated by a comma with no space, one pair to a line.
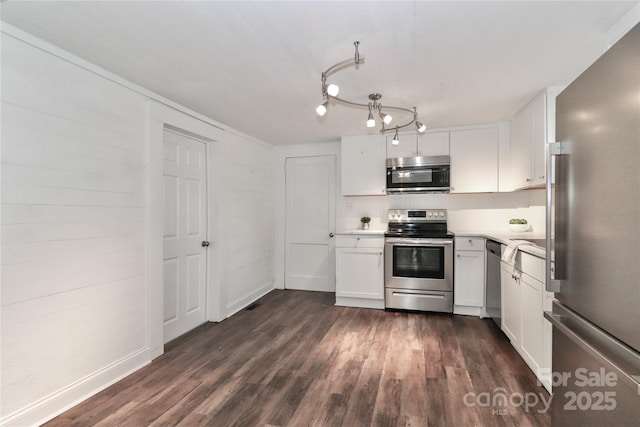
370,120
333,89
396,138
322,108
386,118
421,126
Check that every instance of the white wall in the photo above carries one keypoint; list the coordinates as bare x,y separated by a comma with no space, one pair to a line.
79,277
73,226
247,230
467,212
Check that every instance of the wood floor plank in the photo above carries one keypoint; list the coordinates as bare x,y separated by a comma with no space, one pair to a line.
295,359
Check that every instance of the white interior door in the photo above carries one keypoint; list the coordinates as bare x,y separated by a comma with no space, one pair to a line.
310,223
185,230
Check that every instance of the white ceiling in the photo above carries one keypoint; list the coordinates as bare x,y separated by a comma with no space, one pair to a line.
256,66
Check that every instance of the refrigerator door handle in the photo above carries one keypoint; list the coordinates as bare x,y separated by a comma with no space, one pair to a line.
617,357
553,151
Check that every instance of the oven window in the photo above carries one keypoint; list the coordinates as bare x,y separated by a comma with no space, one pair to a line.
418,261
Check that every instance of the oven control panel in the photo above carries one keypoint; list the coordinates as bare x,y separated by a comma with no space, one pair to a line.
417,215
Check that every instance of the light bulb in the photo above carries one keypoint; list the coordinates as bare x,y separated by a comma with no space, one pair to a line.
333,89
322,109
421,126
386,118
370,120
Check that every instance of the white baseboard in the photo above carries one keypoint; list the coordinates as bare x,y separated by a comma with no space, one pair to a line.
468,311
56,403
244,301
360,302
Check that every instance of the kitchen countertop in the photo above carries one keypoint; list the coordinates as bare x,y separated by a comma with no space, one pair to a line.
506,238
372,232
499,236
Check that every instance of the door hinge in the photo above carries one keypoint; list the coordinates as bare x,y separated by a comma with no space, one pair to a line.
558,148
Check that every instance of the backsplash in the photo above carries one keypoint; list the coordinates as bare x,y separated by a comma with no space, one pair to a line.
474,212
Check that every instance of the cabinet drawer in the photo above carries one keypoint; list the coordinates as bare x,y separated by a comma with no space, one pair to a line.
359,242
469,243
533,266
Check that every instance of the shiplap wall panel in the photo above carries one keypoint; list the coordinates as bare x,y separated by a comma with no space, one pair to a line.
73,215
73,229
14,234
247,205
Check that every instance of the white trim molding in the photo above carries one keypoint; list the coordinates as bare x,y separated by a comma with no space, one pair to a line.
161,117
56,403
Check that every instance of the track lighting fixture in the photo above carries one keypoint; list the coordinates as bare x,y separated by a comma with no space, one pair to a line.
322,108
330,92
396,138
371,122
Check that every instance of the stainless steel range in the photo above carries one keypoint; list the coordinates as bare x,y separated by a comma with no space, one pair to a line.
418,261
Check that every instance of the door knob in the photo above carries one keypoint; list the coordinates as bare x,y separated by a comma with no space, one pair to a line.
205,243
331,234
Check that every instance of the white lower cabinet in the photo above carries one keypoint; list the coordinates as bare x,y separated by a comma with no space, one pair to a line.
524,300
531,342
360,271
469,276
511,319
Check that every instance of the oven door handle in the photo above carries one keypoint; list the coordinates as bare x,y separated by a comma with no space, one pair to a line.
421,242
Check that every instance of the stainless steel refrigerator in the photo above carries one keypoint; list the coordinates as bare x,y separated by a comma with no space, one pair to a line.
594,207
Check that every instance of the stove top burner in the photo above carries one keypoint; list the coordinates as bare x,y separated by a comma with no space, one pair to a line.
418,223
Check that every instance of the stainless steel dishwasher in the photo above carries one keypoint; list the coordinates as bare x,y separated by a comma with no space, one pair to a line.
492,295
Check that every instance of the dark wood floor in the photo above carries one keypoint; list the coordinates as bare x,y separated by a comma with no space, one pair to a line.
297,360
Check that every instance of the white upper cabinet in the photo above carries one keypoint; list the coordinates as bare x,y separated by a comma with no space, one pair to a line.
474,160
433,144
427,144
532,128
408,146
363,165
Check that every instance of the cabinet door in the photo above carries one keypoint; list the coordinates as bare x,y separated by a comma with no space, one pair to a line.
532,340
359,273
538,139
469,278
511,321
363,165
407,147
474,160
433,144
520,148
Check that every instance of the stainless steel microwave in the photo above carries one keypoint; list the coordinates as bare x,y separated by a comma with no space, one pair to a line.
418,174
